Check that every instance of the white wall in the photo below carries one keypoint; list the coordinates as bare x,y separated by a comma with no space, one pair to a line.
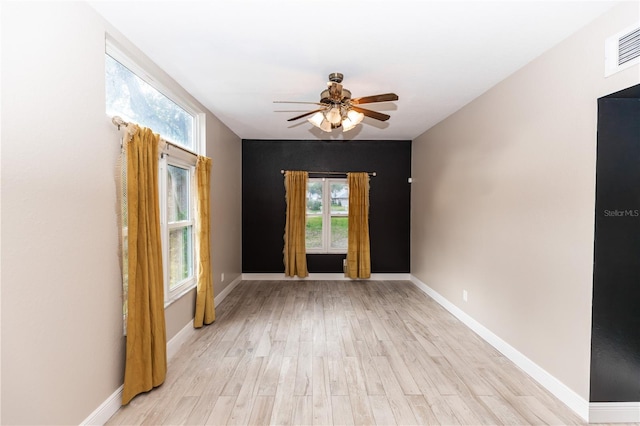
503,201
62,344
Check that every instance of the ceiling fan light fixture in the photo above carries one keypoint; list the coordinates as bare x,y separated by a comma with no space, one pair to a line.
352,119
320,122
333,115
355,116
348,125
326,126
316,119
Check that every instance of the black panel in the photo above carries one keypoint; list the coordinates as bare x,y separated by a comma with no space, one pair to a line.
631,92
263,202
615,344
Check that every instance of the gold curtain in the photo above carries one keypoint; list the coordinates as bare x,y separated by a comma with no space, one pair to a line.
358,256
205,311
146,353
295,254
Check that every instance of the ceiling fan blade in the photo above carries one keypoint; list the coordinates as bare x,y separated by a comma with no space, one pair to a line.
289,110
306,114
296,102
373,114
385,97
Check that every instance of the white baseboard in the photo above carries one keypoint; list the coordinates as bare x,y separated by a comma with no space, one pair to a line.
112,404
107,409
561,391
228,289
614,412
338,276
176,342
181,337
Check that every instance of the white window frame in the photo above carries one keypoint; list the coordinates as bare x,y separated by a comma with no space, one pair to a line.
180,156
326,217
178,159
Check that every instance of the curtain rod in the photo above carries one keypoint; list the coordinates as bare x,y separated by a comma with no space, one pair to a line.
118,121
332,173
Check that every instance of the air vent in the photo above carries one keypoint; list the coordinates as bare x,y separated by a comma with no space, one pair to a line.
629,47
622,50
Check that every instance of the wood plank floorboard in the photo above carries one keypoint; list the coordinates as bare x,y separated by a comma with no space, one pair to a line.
340,353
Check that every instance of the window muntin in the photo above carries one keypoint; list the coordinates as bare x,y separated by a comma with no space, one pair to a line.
135,100
327,216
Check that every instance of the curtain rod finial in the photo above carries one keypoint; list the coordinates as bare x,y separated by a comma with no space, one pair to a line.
118,121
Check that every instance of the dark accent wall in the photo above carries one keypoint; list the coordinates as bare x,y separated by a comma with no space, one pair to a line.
264,206
615,341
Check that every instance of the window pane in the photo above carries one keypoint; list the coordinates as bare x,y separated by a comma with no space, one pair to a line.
314,197
180,267
178,182
339,232
313,235
135,100
339,198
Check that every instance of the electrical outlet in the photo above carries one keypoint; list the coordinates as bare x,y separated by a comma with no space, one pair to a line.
465,295
222,277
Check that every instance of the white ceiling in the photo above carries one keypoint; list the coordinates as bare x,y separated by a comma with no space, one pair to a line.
237,57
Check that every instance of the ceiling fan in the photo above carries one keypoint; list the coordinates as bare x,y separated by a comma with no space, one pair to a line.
337,108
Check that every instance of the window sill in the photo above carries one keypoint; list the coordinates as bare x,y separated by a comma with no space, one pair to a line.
326,252
179,295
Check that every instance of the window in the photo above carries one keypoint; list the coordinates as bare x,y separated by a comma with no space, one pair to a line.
178,225
140,101
135,100
327,216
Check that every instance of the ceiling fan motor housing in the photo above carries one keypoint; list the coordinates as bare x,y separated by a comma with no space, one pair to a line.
335,95
325,97
336,77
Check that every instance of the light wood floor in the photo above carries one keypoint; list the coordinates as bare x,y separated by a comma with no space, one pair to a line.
341,352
